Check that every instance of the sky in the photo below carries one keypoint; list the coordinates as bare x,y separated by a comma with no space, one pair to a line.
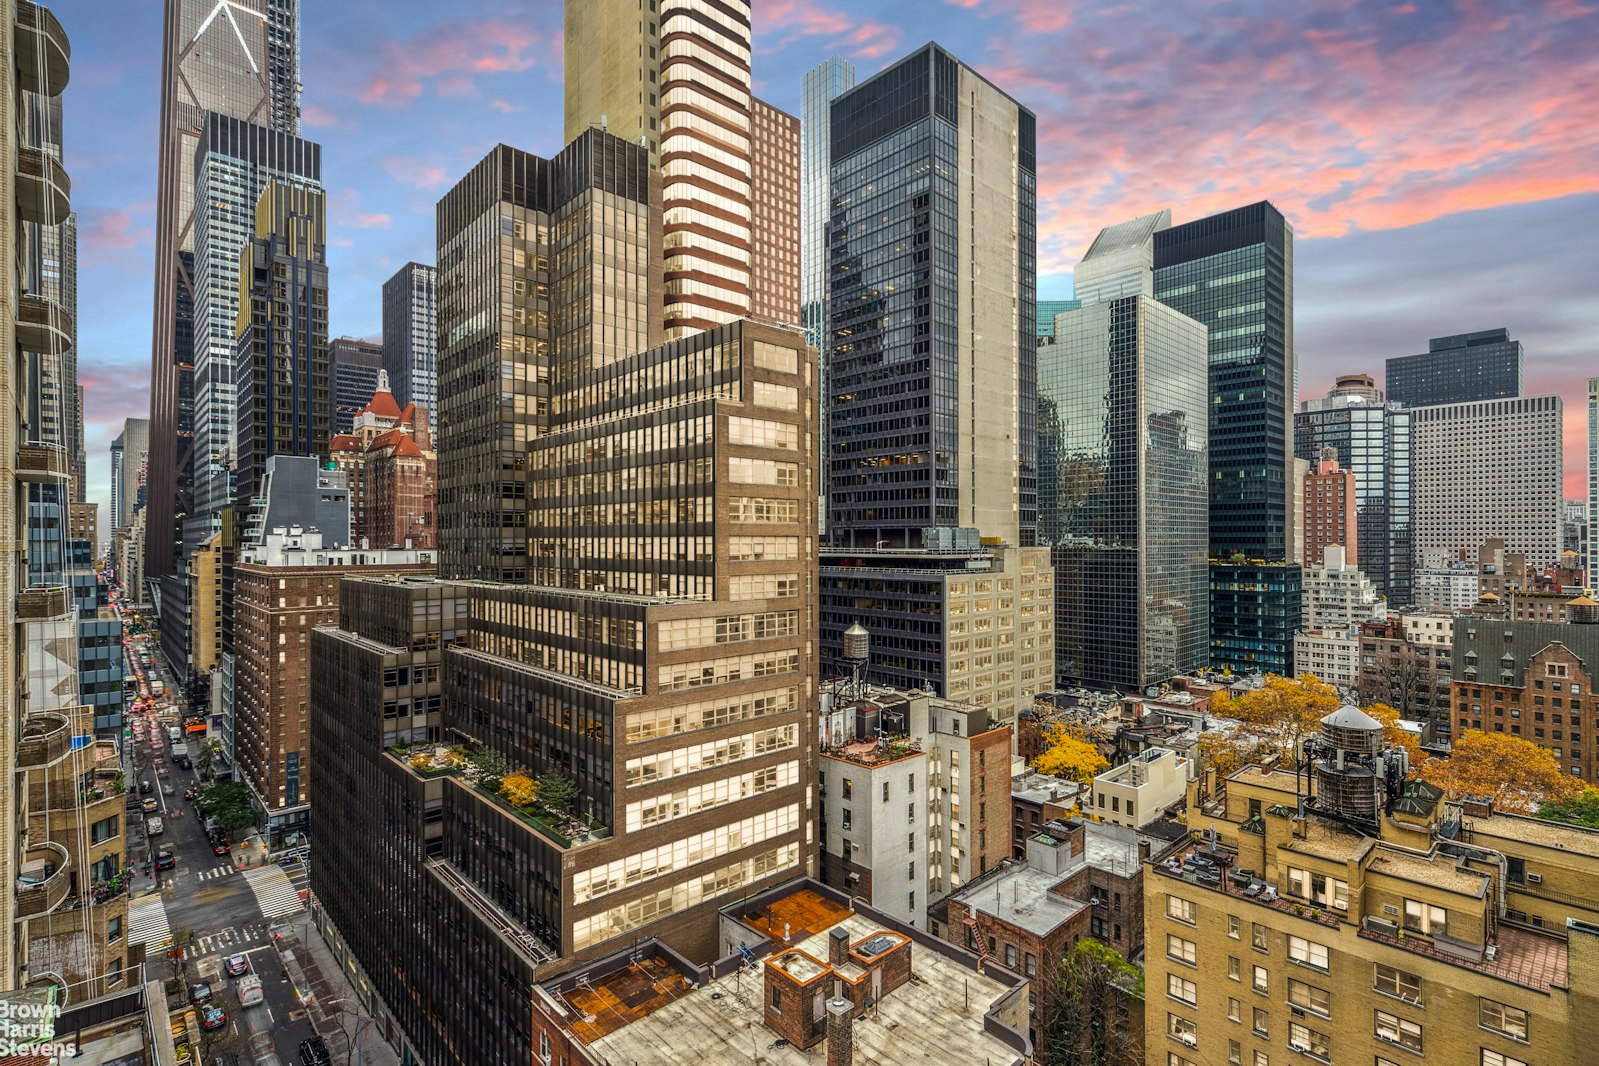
1439,161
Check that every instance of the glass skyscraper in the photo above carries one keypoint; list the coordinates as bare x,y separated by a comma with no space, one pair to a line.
1460,369
1372,439
1046,312
411,335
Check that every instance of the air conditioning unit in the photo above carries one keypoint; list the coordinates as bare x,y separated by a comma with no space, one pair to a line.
1297,1012
1294,1045
1190,1039
1535,879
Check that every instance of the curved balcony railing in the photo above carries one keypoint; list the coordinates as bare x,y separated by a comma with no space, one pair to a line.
44,54
43,881
46,740
41,461
44,603
44,192
43,325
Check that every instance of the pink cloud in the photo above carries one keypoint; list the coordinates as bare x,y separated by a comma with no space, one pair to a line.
416,173
793,19
321,116
447,59
505,107
369,220
107,235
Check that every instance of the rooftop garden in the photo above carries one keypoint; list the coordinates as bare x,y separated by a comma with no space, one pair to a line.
546,803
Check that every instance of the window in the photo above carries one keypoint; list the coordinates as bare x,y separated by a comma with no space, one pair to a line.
1183,1029
1235,1010
1309,997
1030,965
1494,1058
849,788
1235,1053
910,871
1318,888
1179,949
885,791
1502,1018
1174,1059
1233,926
1180,909
910,901
1262,1059
1397,1030
1257,936
1260,1021
1235,969
1262,980
1303,1038
113,930
1423,917
1398,983
1010,956
848,822
777,1000
1307,953
1180,988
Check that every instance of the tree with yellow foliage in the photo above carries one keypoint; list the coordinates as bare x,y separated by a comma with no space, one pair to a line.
1070,755
1515,773
520,789
1271,721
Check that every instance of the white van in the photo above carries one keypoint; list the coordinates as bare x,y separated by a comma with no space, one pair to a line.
155,827
250,993
174,734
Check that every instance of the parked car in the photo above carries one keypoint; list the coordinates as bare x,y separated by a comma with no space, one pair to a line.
165,860
314,1052
151,806
155,827
146,787
236,965
250,993
199,993
213,1019
220,846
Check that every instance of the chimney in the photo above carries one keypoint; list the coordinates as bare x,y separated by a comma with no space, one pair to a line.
1143,851
840,1037
838,947
1477,806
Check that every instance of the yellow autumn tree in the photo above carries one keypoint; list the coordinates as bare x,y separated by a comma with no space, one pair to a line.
520,789
1271,721
1515,773
1070,755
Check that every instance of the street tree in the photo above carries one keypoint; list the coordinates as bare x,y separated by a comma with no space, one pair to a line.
1069,754
229,803
1090,1018
1516,774
1581,809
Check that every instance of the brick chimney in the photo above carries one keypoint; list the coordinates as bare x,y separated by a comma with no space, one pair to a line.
840,1035
1477,806
838,947
1143,851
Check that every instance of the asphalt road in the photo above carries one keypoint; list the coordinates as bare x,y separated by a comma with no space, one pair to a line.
208,895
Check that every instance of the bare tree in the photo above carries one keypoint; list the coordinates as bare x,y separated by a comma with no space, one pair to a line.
1087,1020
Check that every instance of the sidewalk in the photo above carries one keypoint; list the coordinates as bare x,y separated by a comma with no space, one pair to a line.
322,984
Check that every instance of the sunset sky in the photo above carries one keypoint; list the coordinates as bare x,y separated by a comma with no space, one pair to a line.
1439,161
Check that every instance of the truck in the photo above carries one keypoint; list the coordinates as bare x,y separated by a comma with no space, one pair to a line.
158,687
174,734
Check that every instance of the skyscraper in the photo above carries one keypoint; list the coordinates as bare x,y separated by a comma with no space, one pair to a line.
499,231
128,452
775,214
281,359
1468,366
411,334
933,266
356,365
231,57
233,163
1123,501
1330,505
679,85
1046,312
1372,439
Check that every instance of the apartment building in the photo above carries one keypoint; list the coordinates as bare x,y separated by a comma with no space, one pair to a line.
1332,655
1139,790
1405,662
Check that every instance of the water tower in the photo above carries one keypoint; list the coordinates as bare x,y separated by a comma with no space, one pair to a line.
1356,774
857,653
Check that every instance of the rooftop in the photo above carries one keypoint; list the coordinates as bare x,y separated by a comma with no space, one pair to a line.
1440,871
1020,896
636,991
872,753
1521,957
795,917
1529,830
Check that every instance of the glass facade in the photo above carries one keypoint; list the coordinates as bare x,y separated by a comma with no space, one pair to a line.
355,378
411,335
1045,318
1123,401
1468,366
1254,613
1373,441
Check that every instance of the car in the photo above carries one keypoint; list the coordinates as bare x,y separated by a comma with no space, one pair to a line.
250,992
191,793
166,788
151,806
314,1052
220,847
165,860
236,965
155,827
199,993
146,788
213,1019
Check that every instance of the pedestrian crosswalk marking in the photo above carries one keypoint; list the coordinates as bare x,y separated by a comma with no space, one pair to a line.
147,923
274,892
220,871
226,941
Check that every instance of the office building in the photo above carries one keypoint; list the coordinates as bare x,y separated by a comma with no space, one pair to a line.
924,432
833,77
1123,500
558,316
234,161
775,214
1047,310
128,452
1489,468
1338,596
1369,922
907,784
1460,369
1255,611
356,365
1445,585
411,334
240,59
666,631
282,590
1333,655
281,354
1373,440
1330,511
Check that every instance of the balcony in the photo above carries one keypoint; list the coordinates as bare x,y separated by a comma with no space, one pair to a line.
45,741
43,325
44,192
43,604
42,463
44,53
42,883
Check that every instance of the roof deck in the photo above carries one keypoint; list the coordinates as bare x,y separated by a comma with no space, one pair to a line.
1522,957
796,917
636,991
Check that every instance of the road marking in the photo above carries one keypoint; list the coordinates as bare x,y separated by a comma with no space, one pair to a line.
273,891
147,923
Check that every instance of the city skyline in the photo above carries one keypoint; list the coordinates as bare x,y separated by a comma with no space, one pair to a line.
1413,215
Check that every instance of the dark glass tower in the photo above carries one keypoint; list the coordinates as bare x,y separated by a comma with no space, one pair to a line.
1459,369
356,364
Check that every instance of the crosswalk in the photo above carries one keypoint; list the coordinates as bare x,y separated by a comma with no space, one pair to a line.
211,875
274,892
147,923
231,939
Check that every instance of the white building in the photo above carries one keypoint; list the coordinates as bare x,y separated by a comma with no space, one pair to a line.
1337,598
1136,792
1332,657
1446,588
1491,468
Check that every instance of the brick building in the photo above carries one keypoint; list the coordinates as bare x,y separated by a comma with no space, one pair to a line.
391,469
1331,509
1405,662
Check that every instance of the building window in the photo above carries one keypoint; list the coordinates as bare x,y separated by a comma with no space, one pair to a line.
1262,981
1235,1053
1494,1058
1257,936
1397,1030
1030,965
1260,1022
113,930
1305,1039
1309,997
1308,953
1183,1029
849,788
1502,1018
1179,949
1235,969
1423,917
1182,989
1233,926
1235,1010
1262,1059
885,791
849,821
1180,909
777,1000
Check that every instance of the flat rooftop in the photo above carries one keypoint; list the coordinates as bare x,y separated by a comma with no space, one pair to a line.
1021,896
796,917
620,998
936,1017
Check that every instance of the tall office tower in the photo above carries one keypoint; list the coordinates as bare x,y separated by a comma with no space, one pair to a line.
1046,310
1459,369
1372,439
281,356
663,661
822,85
1591,537
232,57
1235,273
1330,510
356,366
933,265
775,214
411,334
518,308
679,84
1491,468
234,161
1123,487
